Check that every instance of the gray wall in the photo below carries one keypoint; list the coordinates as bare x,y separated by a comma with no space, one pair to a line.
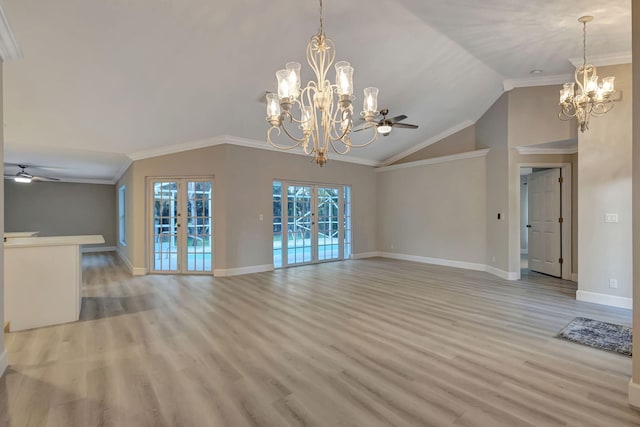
61,209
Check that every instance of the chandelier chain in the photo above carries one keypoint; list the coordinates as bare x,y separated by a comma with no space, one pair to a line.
584,43
321,24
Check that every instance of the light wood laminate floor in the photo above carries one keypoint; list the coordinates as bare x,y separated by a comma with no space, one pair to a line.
374,342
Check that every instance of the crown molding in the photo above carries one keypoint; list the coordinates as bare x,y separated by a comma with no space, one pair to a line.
557,79
539,150
233,140
122,170
604,60
442,135
175,148
442,159
9,48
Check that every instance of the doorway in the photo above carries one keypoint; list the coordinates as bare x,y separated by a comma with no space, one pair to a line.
311,223
545,219
181,225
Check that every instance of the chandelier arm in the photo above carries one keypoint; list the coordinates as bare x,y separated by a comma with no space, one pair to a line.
278,146
373,137
601,108
286,131
347,148
345,115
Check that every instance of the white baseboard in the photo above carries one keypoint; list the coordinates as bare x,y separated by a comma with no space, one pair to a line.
506,275
634,394
222,272
604,299
4,363
511,275
574,277
135,271
91,249
436,261
365,255
524,251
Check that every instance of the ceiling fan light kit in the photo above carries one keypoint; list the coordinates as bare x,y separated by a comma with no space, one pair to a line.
325,110
590,97
22,179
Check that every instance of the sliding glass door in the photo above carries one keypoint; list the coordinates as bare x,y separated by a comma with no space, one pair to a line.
309,223
181,225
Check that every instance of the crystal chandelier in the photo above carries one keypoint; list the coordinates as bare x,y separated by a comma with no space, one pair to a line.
590,98
325,110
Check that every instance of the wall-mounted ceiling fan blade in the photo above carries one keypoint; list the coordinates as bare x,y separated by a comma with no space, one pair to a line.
405,125
396,119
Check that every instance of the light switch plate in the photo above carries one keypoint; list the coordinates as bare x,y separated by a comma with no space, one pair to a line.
611,217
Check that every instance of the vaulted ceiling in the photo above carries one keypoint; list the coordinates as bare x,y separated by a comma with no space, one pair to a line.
100,80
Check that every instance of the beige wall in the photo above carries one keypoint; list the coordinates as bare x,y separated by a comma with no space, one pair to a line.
460,142
1,217
242,191
61,209
434,210
533,117
635,8
492,132
604,185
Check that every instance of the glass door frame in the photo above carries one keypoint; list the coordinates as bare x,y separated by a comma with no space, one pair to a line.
315,241
182,235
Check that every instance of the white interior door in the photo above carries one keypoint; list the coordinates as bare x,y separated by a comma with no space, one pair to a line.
545,213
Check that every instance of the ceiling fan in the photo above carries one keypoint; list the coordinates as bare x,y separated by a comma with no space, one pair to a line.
23,177
385,125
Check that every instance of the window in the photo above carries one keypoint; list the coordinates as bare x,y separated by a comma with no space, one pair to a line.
347,222
122,215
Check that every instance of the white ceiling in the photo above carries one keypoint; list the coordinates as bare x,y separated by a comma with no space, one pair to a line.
103,79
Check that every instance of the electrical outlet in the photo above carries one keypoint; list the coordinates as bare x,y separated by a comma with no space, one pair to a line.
610,217
613,283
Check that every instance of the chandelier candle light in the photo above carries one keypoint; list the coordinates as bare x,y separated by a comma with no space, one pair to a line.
590,98
325,109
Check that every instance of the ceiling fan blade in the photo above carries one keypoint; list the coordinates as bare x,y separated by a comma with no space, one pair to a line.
44,178
405,125
396,119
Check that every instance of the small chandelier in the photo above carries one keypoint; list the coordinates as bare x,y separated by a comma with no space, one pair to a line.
325,117
591,98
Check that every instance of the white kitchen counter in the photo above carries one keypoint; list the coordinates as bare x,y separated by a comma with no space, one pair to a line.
14,234
43,280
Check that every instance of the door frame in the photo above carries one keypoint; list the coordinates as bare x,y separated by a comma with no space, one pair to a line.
314,205
149,226
567,214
